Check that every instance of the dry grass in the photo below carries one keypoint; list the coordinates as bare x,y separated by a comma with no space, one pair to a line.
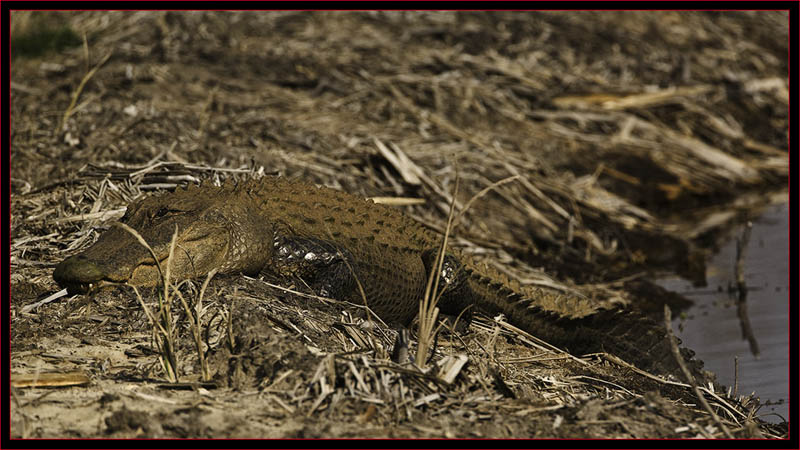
428,311
164,323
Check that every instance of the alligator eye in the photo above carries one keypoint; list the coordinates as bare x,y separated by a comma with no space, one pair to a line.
163,211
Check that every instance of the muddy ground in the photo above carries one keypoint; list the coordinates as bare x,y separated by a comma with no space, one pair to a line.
635,140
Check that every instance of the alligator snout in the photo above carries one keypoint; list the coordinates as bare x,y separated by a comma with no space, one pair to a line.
77,274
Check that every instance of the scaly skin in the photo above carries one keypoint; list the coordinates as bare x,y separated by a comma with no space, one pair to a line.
335,242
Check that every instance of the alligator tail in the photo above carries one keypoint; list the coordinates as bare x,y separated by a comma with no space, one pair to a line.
634,338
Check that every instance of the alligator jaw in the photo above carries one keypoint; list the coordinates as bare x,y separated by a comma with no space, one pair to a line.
85,288
94,269
80,275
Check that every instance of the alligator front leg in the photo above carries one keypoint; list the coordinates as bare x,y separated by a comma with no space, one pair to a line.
390,281
320,264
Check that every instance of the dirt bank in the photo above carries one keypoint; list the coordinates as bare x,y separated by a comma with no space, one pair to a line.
635,140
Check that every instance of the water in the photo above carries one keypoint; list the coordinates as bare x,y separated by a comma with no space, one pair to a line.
712,328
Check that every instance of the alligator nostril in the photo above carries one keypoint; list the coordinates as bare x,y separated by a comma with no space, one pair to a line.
77,270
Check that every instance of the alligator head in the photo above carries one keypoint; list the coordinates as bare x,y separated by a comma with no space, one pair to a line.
215,229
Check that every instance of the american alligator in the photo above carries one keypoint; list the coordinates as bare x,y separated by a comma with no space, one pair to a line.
349,248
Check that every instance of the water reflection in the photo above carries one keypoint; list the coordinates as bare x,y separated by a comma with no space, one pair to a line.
713,329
